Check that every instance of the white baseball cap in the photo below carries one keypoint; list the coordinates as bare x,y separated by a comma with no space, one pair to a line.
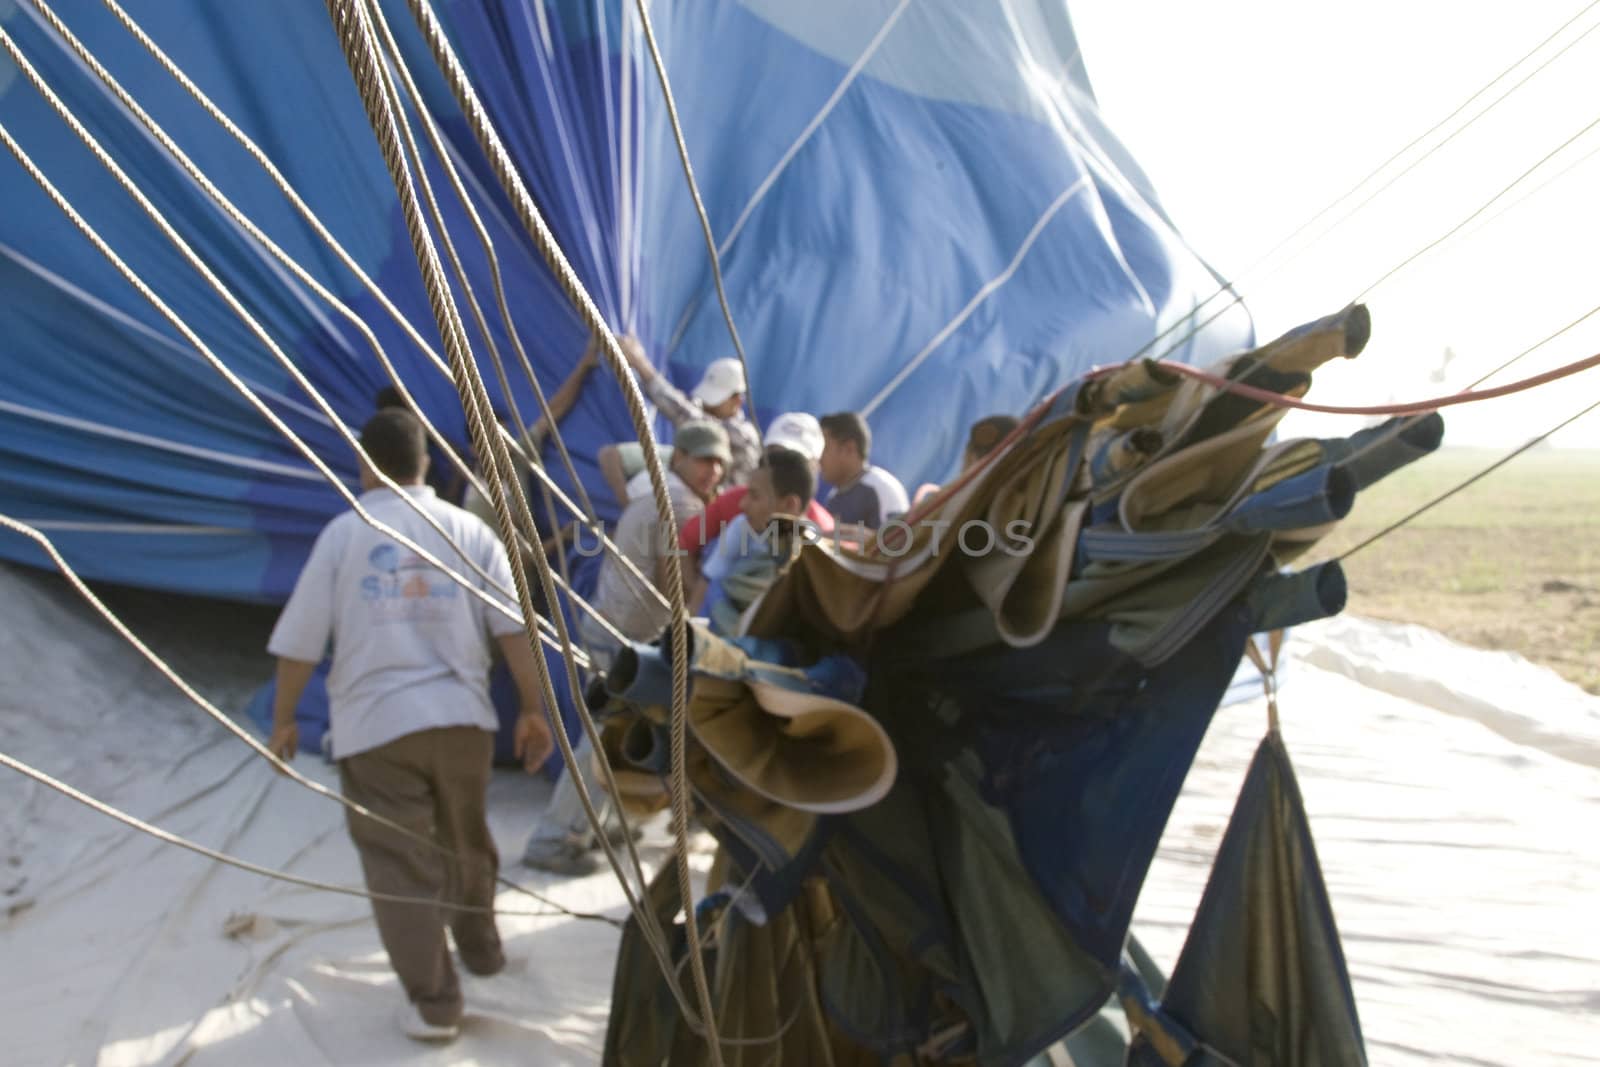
722,379
798,432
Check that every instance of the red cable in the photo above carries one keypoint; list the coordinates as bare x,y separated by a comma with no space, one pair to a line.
1266,396
1416,407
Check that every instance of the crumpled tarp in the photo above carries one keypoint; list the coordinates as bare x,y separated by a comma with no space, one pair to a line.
1044,704
1262,978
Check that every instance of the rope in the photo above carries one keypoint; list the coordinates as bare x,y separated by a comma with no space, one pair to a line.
360,49
88,58
699,206
270,872
223,718
1458,227
1407,424
529,617
571,655
177,322
1228,285
1411,407
315,223
299,271
528,213
1537,189
1267,664
398,65
1442,497
229,208
480,398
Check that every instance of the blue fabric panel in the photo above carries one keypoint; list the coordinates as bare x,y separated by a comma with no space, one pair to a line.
1321,495
1086,752
946,174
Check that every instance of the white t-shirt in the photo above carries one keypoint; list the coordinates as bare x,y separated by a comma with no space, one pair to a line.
640,537
875,497
410,646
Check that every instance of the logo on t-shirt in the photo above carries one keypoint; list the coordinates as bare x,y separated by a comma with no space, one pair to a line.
385,558
405,587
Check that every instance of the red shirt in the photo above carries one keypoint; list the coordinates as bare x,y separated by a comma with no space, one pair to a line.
708,525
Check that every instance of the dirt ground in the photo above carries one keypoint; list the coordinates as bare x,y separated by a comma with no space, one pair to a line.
1511,563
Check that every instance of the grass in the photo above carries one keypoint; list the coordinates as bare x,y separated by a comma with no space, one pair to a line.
1511,563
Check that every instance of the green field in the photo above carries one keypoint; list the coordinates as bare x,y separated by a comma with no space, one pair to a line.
1512,562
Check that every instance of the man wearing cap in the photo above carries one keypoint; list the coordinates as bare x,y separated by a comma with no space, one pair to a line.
719,396
563,841
756,547
796,431
700,457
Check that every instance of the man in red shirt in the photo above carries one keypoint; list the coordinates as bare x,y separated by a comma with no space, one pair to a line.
793,430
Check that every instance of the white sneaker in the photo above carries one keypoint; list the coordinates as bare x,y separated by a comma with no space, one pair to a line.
414,1026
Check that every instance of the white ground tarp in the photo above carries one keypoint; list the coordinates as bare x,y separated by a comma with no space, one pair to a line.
1453,794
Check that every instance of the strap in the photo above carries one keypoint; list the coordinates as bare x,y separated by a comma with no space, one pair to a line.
1267,664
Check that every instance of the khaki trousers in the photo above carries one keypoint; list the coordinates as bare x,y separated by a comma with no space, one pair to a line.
435,783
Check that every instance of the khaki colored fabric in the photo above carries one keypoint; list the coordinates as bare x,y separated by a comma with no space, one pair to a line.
844,596
775,832
767,755
799,750
1213,473
1212,452
764,986
434,783
1262,977
766,729
627,741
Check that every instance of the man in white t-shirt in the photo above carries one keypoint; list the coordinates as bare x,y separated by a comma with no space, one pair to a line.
863,495
410,718
700,457
562,841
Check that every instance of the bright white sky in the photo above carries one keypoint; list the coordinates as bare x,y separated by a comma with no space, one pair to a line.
1252,115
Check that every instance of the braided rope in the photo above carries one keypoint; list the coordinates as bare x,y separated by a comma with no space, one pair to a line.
227,723
517,507
357,41
269,872
573,658
245,222
699,206
230,209
311,219
9,46
442,154
528,213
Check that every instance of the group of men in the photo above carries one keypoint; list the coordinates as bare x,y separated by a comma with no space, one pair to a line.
411,722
